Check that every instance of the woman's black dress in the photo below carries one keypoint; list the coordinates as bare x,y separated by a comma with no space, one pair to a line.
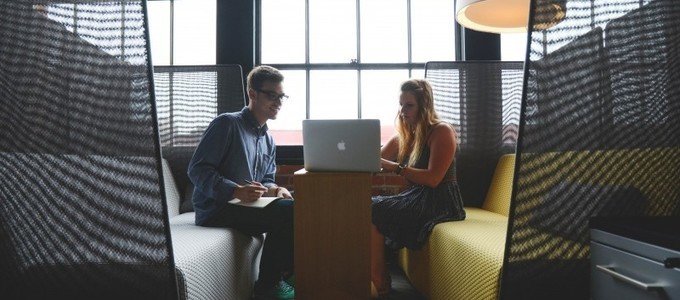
407,219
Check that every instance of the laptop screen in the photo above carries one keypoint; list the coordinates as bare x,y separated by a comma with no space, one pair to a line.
341,145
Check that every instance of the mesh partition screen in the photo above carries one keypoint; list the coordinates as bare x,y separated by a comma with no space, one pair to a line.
599,136
482,100
82,214
188,98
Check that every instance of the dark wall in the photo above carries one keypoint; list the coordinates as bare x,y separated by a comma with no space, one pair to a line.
478,45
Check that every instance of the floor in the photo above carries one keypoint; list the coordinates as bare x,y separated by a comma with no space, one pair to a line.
401,288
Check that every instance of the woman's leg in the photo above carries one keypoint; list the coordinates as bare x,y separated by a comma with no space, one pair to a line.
378,271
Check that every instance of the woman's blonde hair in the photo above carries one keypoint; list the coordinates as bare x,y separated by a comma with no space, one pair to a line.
413,138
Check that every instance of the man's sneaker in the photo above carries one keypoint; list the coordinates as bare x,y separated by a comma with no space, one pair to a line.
281,290
290,280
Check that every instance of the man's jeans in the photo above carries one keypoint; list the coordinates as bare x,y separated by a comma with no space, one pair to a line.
277,221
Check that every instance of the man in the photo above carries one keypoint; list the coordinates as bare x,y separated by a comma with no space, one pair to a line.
236,159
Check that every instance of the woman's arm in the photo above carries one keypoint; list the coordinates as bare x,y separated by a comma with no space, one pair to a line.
390,151
442,144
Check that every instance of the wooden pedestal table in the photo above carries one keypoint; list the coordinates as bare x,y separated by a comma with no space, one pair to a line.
332,235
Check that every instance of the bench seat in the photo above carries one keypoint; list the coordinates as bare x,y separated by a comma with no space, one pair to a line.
463,259
211,263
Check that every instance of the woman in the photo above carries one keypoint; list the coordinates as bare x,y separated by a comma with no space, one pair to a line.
423,153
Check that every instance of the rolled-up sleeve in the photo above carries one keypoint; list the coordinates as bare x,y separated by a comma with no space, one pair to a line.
270,169
203,168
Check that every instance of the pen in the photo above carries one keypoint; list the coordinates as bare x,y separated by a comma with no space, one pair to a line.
250,182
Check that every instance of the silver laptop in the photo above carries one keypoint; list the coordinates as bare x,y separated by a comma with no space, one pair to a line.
341,145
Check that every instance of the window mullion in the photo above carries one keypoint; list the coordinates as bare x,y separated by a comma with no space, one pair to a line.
307,32
358,59
408,36
75,18
122,31
307,66
257,41
172,32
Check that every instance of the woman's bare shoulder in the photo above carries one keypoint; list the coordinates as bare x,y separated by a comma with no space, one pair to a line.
443,128
442,131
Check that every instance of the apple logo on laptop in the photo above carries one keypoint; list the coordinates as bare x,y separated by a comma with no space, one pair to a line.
341,145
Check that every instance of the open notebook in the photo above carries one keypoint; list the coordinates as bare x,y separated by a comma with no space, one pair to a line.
259,203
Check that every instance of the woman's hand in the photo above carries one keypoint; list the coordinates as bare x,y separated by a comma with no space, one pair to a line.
250,192
388,165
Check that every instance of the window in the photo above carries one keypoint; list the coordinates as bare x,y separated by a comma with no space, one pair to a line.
79,19
182,32
513,46
346,59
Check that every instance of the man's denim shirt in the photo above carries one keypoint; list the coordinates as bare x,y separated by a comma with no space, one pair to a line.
232,150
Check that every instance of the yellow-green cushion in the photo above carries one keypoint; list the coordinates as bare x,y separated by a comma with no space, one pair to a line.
500,191
416,266
462,259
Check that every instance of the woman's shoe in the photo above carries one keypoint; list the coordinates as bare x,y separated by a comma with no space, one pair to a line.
383,291
374,291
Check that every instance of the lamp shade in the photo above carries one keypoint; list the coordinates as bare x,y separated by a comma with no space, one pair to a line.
502,16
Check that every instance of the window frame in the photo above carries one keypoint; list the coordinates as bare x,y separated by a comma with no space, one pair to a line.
292,154
171,38
237,42
353,65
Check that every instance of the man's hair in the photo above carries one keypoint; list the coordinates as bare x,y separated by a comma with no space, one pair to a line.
260,74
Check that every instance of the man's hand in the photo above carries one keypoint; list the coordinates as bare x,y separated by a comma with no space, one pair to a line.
250,192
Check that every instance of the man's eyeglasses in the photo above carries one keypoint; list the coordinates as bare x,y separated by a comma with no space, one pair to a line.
274,96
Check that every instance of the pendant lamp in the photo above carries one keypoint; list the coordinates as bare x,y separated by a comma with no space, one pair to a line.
503,16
